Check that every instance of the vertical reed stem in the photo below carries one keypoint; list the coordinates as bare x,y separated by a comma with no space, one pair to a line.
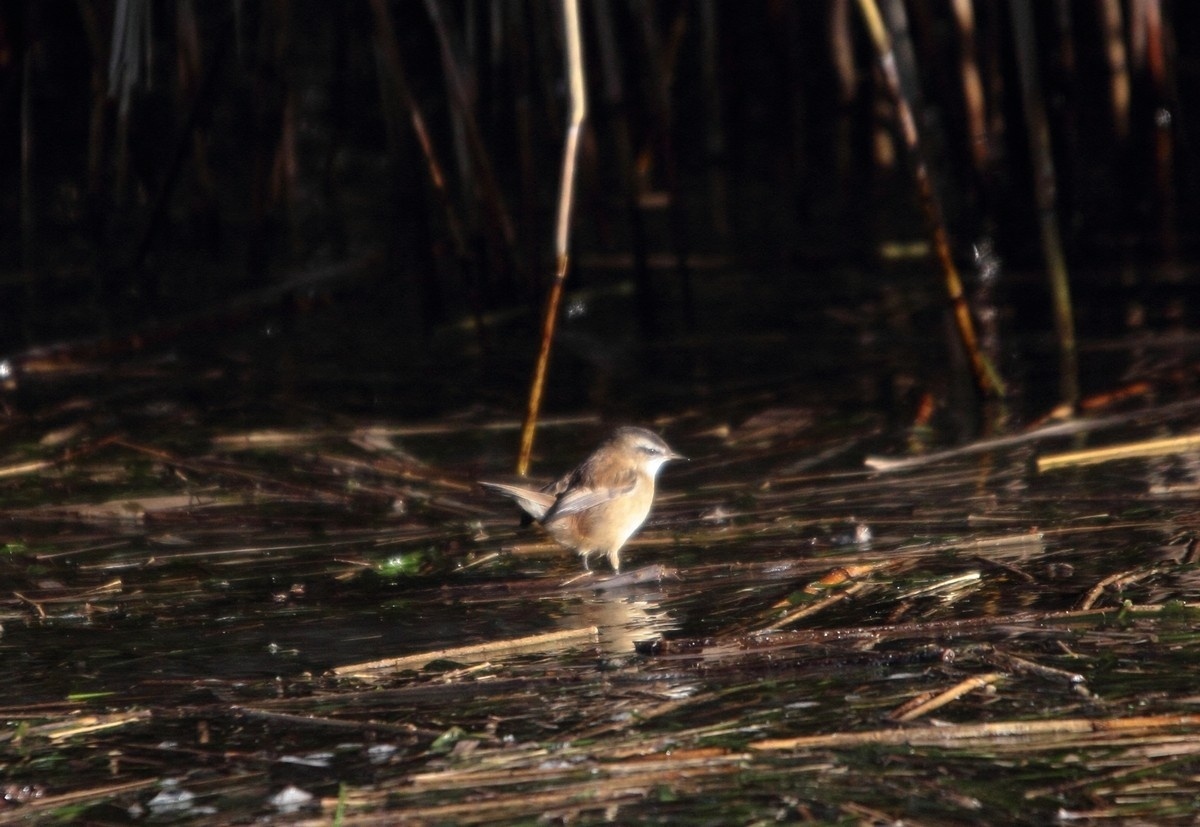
562,231
1149,14
1118,65
972,90
986,378
489,188
386,42
1044,186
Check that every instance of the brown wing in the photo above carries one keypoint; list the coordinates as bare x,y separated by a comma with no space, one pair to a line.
553,490
581,498
561,484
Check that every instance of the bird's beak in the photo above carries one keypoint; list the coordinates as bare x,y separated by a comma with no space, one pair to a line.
674,455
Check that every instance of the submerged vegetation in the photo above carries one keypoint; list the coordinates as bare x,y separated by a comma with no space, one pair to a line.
333,619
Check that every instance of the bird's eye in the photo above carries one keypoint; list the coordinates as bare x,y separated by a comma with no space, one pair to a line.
649,449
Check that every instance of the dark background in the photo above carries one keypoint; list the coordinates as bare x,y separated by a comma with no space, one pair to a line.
246,163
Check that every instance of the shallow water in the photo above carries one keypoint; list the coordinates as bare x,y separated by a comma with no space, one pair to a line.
197,603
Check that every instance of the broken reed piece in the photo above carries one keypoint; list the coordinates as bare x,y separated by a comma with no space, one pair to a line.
1126,450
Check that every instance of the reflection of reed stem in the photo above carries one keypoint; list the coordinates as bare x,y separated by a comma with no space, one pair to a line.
488,187
1148,14
986,378
1044,185
979,142
385,39
616,108
1113,34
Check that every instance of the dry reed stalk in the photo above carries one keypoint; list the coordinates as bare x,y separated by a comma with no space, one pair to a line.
1158,38
978,140
987,379
1012,663
963,733
925,704
283,438
388,45
295,722
550,641
87,724
23,468
1129,450
1068,428
770,641
26,812
210,466
562,233
490,192
1140,769
1045,189
813,608
617,110
1119,579
568,799
1112,31
662,58
714,129
185,142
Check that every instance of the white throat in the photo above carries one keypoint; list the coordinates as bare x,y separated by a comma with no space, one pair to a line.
654,464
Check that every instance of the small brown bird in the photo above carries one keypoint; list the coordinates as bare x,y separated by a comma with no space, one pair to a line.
597,507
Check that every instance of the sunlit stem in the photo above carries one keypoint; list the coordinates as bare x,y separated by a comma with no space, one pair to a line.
562,233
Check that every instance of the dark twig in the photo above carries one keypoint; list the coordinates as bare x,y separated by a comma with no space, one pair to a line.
1044,192
986,377
491,195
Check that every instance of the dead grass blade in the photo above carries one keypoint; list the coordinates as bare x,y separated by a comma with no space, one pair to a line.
925,704
607,784
1121,578
294,722
550,641
1015,664
22,468
742,645
1127,450
933,736
74,725
1070,428
814,608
